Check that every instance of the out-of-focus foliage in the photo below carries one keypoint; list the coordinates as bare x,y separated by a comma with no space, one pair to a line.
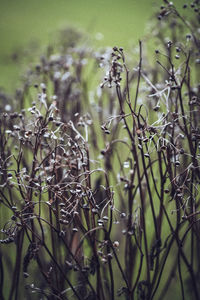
27,26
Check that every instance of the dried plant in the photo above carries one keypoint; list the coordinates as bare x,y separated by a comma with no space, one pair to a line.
99,189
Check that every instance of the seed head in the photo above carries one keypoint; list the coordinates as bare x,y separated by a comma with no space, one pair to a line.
116,244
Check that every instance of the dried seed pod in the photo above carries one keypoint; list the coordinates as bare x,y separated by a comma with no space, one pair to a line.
116,244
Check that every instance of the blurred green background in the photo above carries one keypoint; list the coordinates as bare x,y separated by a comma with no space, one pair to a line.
25,22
